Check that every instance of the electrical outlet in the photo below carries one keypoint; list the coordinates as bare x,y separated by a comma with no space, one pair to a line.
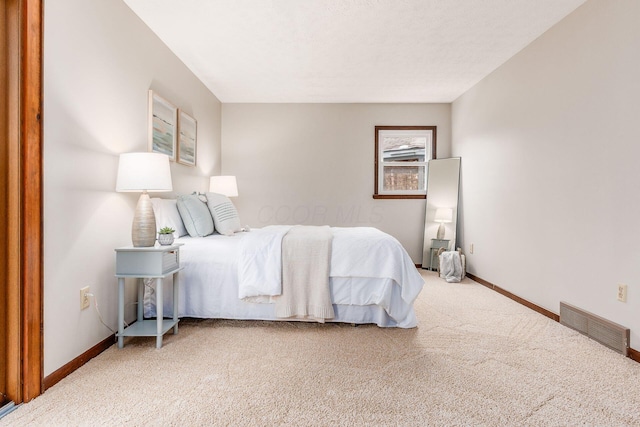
471,248
84,298
622,292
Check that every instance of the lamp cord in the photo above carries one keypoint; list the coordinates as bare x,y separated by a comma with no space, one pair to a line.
95,304
147,284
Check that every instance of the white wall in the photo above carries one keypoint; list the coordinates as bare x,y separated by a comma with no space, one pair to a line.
550,176
99,62
313,164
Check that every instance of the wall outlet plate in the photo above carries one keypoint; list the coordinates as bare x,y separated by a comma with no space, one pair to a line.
84,298
622,292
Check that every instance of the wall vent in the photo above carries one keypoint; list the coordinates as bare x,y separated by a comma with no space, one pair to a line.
606,332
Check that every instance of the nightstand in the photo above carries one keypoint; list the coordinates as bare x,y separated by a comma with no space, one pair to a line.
435,245
155,262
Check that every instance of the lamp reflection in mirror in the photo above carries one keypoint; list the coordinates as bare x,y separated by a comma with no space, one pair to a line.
225,185
144,172
443,215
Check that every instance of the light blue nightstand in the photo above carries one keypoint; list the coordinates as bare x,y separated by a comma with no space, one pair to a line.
155,262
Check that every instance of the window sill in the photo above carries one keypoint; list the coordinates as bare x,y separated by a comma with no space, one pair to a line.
399,196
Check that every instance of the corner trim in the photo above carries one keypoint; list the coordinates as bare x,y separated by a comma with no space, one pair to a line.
59,374
631,353
528,304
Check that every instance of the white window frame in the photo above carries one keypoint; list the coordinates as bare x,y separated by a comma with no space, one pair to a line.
403,131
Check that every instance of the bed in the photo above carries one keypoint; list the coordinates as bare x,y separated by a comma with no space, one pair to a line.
372,279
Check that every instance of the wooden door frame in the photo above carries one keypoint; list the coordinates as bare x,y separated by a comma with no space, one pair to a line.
24,284
32,200
4,184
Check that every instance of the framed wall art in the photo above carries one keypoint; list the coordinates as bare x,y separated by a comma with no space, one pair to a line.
163,125
188,139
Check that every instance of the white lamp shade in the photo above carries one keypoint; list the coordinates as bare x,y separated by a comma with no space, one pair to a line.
226,185
444,215
144,172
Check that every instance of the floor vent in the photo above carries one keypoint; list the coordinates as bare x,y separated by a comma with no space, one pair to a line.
606,332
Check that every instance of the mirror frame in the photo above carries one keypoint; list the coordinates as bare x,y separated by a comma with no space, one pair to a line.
443,181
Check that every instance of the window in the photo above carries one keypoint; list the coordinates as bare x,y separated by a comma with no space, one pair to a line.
402,159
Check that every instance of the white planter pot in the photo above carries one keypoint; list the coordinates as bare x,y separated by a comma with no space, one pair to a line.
165,239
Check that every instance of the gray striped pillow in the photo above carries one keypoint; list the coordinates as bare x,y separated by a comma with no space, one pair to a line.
225,216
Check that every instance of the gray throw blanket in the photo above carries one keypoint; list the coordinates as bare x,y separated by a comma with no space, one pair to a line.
451,266
306,255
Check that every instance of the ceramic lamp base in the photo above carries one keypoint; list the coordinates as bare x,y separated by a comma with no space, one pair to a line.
143,231
440,235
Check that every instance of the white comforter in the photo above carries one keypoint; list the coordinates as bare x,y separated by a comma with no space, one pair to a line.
356,252
372,278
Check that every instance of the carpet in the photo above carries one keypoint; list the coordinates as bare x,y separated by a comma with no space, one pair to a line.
476,358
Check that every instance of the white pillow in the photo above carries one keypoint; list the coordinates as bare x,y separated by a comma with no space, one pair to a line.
225,216
167,215
195,215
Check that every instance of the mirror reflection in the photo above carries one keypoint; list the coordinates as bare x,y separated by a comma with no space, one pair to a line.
441,216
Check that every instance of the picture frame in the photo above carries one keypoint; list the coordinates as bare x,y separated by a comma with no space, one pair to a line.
187,139
163,125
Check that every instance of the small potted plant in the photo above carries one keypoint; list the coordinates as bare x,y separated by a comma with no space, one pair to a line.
165,236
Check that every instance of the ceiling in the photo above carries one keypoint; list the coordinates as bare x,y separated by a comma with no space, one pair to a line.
335,51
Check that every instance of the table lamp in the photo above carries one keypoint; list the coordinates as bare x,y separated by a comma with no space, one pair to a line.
226,185
443,215
145,172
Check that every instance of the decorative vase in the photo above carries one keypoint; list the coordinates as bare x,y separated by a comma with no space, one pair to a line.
165,239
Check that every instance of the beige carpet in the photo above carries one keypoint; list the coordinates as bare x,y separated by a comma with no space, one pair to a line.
477,358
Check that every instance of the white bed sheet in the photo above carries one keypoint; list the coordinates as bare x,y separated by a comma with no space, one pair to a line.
209,283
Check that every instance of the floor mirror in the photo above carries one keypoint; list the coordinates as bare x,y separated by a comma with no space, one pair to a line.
443,179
